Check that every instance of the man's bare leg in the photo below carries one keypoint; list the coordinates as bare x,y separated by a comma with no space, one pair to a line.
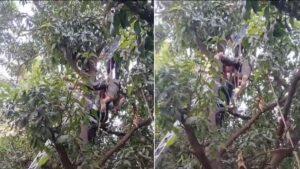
119,104
104,101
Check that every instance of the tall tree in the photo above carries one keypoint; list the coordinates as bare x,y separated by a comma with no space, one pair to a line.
189,34
52,54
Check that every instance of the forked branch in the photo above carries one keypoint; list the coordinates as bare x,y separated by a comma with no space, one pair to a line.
122,142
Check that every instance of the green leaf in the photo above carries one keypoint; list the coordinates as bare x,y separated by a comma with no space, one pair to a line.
176,8
53,46
136,27
127,162
63,139
172,141
43,161
46,25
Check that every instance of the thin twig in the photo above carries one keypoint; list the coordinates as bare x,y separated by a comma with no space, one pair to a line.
145,100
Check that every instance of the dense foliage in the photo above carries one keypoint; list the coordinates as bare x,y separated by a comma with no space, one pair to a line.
48,54
187,35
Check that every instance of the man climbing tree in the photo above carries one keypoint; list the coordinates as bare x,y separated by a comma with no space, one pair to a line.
110,98
235,74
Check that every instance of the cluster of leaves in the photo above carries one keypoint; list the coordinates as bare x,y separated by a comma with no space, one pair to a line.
14,148
198,29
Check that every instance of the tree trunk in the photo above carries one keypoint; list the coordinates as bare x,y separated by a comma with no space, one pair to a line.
198,149
279,155
63,156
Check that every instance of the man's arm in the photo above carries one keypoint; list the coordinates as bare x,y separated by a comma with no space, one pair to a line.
246,71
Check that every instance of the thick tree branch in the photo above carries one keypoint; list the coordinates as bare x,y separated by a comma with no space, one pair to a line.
291,93
60,149
278,155
115,133
287,104
63,155
247,126
238,114
123,140
198,149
